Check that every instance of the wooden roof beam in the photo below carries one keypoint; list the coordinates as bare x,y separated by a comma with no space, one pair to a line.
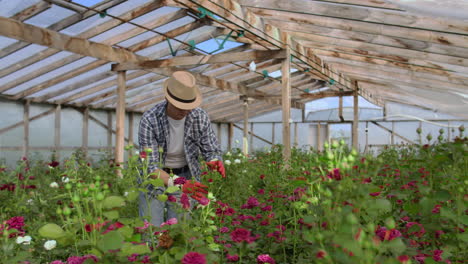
68,21
202,59
253,26
373,15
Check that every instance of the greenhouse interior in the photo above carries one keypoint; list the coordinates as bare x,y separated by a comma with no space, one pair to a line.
233,131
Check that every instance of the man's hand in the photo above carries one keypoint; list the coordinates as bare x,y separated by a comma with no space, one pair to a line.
195,190
217,165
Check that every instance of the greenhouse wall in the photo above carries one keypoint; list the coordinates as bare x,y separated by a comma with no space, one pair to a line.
374,133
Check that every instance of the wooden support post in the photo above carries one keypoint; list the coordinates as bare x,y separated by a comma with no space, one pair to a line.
367,137
273,133
230,134
340,108
130,132
286,103
26,129
109,131
420,134
57,128
449,137
355,118
319,139
84,141
251,136
295,135
120,120
245,148
392,139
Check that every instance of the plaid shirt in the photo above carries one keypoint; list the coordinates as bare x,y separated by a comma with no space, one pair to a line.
199,137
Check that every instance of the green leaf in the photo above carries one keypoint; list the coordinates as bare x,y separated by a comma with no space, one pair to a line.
463,237
113,202
51,231
447,213
396,246
411,208
427,204
430,261
110,241
442,195
132,195
111,215
172,189
464,219
128,249
162,197
156,182
126,231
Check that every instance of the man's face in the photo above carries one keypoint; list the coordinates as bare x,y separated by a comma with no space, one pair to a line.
176,113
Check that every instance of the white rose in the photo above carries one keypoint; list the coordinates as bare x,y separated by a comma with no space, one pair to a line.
228,154
65,179
54,185
30,201
237,161
227,162
50,244
23,240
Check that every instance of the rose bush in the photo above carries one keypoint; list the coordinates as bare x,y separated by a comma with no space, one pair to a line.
405,204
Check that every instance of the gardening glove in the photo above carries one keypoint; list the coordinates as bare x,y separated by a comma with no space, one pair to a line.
217,165
195,190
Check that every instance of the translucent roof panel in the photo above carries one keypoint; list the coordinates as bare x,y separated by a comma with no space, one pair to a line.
63,96
10,8
85,25
333,102
88,3
348,114
112,33
175,24
51,75
398,111
153,14
214,45
126,6
5,42
49,16
82,77
20,55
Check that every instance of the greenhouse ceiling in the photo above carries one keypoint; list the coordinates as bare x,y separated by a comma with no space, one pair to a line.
68,52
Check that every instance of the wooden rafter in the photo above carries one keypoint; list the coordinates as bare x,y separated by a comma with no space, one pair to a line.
202,59
253,27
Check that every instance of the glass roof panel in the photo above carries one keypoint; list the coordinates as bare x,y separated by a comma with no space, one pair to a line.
49,16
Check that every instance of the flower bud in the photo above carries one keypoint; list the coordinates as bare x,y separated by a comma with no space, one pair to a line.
100,196
66,211
418,130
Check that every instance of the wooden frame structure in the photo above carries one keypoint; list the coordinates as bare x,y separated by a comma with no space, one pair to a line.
336,48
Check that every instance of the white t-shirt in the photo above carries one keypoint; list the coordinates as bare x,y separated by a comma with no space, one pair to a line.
175,157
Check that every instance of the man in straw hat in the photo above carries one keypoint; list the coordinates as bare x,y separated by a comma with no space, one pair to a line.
178,131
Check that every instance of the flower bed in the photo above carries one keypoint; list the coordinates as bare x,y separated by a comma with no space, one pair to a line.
405,205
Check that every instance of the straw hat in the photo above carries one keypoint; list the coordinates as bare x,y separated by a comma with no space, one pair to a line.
181,91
